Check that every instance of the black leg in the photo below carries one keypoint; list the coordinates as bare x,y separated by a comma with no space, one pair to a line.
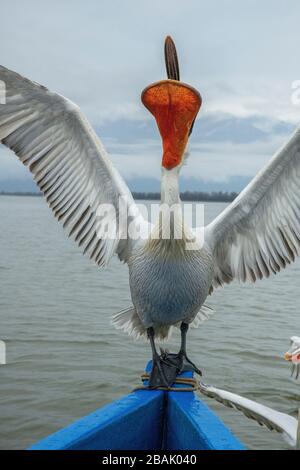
157,372
181,360
184,328
163,373
187,363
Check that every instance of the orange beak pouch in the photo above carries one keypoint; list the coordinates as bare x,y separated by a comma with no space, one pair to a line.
175,106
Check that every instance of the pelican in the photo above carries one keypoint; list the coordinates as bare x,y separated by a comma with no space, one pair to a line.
286,425
293,356
256,236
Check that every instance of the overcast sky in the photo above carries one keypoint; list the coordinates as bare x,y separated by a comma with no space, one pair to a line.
242,56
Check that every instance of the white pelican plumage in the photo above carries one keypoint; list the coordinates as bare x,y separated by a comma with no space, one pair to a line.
286,425
293,356
256,236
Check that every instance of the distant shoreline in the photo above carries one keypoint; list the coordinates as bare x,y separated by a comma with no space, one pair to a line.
219,196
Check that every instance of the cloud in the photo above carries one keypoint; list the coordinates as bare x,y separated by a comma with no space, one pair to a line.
242,56
221,148
10,166
209,161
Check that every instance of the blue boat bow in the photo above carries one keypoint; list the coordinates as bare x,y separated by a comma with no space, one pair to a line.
147,420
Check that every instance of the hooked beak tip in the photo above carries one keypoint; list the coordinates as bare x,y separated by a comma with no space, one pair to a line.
171,59
288,357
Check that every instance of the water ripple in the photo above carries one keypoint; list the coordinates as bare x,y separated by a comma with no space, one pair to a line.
65,360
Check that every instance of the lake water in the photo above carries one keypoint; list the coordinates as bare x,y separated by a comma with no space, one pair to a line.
64,359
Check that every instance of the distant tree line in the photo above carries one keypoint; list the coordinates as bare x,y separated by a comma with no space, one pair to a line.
17,193
215,196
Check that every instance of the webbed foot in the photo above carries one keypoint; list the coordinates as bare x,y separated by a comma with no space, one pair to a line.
163,373
181,362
